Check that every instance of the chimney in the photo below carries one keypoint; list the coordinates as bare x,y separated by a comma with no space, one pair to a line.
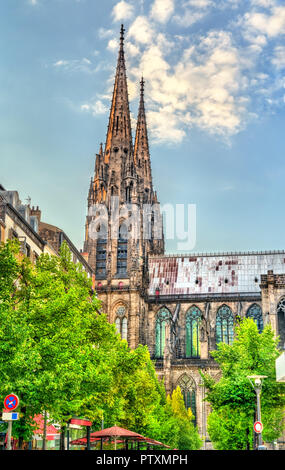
35,211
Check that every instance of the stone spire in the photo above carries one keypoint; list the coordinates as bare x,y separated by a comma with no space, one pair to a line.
119,134
141,140
121,174
141,148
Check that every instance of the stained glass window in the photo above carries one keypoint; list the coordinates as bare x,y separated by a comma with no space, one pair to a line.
255,313
121,311
193,319
188,390
224,325
162,319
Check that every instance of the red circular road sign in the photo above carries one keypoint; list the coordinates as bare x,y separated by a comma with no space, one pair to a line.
258,427
11,402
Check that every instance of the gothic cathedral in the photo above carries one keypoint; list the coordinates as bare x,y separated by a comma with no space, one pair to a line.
180,306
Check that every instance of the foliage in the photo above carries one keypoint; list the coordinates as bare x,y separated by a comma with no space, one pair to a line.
61,357
48,314
187,436
233,398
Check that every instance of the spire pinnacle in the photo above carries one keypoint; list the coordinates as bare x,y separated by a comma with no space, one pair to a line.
119,134
122,36
141,148
142,82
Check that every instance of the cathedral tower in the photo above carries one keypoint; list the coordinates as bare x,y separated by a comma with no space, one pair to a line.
123,213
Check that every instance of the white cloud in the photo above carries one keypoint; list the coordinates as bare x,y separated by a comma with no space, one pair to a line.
113,45
131,49
278,59
212,79
162,10
141,30
189,18
122,11
263,3
96,107
271,24
105,33
193,11
33,2
165,126
204,88
200,3
61,63
81,65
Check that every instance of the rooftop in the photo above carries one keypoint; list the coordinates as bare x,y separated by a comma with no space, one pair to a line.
212,273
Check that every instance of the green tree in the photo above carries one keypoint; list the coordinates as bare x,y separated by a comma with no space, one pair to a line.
51,338
233,400
17,357
63,358
187,436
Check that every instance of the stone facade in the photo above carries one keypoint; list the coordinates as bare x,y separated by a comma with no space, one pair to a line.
273,302
150,295
23,222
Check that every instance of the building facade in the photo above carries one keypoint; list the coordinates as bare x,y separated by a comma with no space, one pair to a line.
179,306
23,222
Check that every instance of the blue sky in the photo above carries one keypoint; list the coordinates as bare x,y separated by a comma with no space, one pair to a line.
215,96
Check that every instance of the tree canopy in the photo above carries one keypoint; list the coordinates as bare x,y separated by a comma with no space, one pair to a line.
233,399
60,355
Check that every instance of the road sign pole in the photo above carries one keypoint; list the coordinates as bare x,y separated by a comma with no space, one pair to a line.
11,403
9,435
258,391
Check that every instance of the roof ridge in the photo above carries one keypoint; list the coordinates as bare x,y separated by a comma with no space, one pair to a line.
223,253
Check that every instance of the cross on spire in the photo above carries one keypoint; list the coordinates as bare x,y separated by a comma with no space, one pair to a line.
142,87
122,36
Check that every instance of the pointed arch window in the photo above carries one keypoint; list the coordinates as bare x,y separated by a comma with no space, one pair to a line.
193,320
121,322
255,313
163,319
188,389
103,193
101,250
281,322
122,250
129,190
224,325
101,256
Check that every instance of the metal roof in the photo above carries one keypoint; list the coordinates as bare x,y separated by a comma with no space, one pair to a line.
212,273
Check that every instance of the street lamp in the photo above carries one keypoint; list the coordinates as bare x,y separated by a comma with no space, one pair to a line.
256,382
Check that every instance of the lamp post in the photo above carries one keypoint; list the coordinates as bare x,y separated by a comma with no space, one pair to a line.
256,382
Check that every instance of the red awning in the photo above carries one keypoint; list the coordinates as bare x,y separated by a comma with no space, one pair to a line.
116,431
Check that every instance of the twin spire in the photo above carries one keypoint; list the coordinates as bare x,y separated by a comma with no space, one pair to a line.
123,168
